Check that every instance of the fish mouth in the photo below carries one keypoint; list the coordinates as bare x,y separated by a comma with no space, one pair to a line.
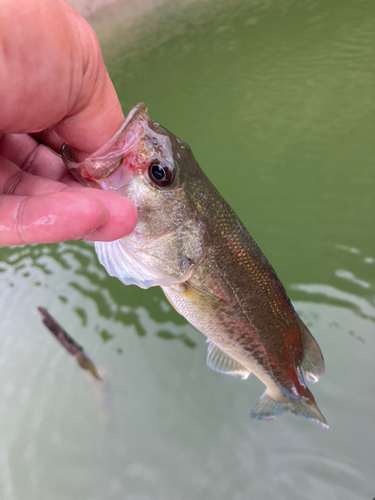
107,159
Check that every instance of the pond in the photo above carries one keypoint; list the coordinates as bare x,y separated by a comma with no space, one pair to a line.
276,100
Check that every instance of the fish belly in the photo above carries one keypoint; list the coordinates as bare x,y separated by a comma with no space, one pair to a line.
207,317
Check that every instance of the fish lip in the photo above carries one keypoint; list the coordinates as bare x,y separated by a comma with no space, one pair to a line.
103,153
139,109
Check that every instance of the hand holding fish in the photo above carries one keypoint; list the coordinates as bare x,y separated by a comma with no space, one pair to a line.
53,85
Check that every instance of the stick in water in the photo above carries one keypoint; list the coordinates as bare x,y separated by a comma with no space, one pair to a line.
69,343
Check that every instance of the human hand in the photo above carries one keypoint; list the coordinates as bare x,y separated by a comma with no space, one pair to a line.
53,85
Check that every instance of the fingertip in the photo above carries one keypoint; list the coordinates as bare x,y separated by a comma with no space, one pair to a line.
74,217
70,214
50,218
121,221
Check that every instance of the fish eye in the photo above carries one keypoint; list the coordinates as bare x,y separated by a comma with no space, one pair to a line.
161,174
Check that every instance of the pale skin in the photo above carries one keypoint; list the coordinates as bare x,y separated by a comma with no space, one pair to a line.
54,88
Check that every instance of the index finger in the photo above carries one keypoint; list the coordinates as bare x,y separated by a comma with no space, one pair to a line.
97,114
51,60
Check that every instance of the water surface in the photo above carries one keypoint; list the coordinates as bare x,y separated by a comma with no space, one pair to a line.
276,100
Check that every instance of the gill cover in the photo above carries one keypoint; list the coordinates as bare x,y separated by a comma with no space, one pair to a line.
165,246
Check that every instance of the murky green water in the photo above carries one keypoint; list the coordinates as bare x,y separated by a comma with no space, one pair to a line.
276,99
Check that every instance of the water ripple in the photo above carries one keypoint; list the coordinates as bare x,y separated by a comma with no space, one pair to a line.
359,304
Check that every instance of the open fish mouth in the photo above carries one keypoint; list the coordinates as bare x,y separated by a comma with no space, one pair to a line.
107,159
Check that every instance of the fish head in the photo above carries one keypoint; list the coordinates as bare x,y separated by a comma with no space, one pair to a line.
126,156
144,162
152,167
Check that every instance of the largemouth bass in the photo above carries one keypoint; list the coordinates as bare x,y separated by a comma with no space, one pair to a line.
191,243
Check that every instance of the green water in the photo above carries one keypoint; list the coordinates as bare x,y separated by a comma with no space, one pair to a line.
277,101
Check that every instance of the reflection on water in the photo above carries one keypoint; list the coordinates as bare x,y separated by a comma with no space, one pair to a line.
353,292
276,100
159,408
84,278
182,336
337,296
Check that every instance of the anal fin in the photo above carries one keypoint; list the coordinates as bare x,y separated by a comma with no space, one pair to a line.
221,362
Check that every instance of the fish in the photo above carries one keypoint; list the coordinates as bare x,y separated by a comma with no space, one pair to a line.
191,243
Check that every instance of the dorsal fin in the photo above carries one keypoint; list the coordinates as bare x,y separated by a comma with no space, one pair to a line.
221,362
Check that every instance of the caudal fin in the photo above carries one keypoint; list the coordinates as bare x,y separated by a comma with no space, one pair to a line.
268,408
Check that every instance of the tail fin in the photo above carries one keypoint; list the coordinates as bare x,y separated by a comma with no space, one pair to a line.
268,408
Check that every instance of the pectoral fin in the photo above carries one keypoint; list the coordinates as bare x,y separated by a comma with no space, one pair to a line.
220,362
